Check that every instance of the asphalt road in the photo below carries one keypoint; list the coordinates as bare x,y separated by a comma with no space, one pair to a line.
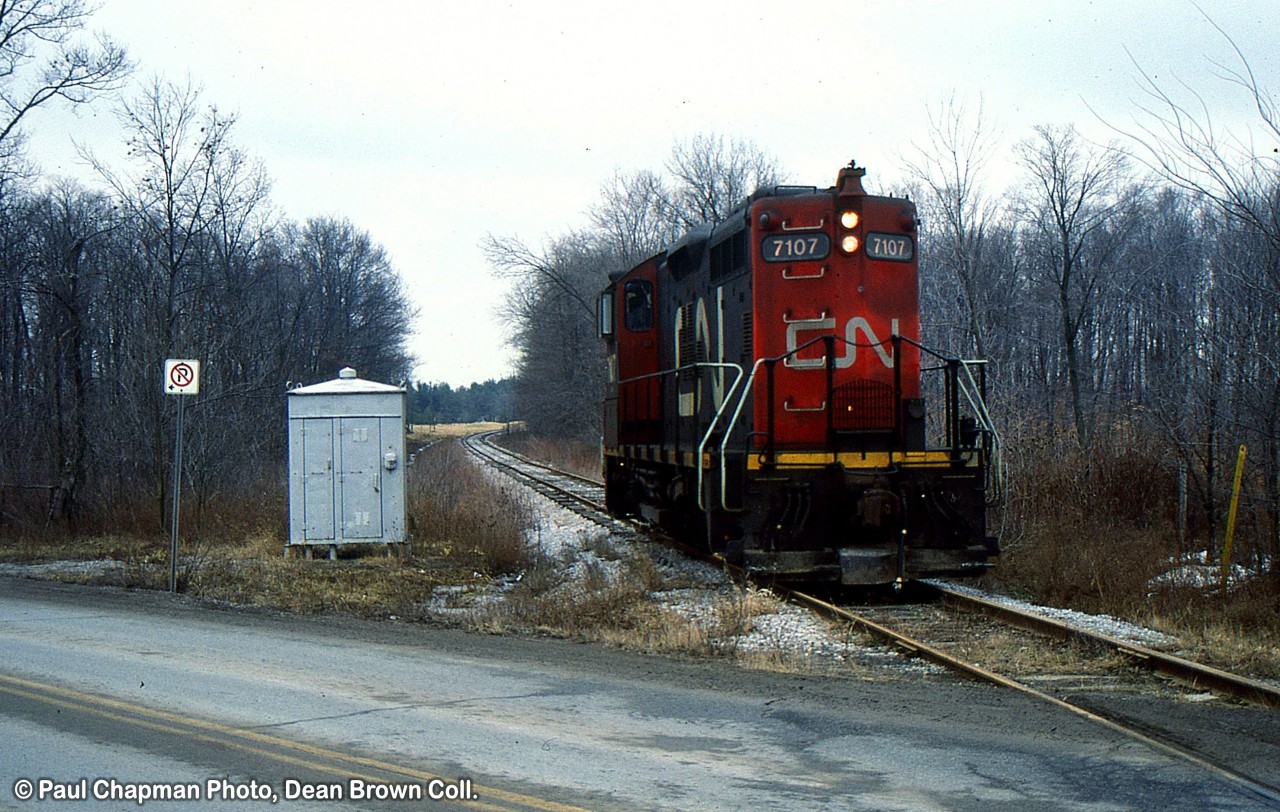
112,695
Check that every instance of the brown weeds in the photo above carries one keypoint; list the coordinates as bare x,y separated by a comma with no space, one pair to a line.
1094,532
616,599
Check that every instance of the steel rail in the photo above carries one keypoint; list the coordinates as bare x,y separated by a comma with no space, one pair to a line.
1243,783
1188,672
1191,673
481,446
486,439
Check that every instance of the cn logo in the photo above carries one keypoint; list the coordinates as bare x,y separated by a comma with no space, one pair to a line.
849,354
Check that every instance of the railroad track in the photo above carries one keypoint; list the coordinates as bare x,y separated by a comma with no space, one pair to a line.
586,497
583,496
1195,676
1184,670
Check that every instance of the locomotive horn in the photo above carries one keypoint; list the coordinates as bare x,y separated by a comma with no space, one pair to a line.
849,181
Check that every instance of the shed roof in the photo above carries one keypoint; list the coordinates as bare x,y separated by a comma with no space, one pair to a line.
346,384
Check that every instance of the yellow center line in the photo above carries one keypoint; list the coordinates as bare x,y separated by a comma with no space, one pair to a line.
238,738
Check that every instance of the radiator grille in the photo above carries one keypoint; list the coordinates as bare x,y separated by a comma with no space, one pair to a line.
863,406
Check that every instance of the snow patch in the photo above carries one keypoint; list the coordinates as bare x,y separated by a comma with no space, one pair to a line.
98,567
1200,570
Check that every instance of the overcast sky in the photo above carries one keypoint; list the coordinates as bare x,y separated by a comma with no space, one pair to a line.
431,124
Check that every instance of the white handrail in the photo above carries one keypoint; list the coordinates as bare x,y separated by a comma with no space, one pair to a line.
724,403
728,432
973,394
702,446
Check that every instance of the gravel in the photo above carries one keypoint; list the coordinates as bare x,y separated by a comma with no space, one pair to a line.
1098,624
699,592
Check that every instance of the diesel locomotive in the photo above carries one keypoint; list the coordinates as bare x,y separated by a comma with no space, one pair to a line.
770,398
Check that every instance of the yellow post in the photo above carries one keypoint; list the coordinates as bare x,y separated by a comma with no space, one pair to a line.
1225,566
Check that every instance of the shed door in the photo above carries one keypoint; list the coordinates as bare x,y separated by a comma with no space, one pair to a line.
317,478
361,478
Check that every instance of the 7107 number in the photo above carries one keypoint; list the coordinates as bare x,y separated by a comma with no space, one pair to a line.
889,246
791,248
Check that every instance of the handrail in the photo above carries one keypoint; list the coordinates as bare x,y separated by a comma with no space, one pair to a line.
724,403
728,432
755,368
975,394
786,274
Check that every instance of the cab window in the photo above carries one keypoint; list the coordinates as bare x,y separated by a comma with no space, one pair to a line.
637,298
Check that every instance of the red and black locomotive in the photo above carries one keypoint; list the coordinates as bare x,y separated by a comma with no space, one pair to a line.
767,395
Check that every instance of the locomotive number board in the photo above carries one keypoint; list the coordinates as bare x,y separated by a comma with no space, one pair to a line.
796,247
894,247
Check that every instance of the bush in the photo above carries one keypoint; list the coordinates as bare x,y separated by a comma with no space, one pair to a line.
461,512
1095,532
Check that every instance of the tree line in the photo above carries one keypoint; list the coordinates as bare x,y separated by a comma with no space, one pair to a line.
434,403
1126,296
177,253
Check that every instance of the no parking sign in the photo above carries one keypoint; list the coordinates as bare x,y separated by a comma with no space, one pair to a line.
181,377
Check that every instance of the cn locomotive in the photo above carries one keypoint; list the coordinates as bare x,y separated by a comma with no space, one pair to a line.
767,396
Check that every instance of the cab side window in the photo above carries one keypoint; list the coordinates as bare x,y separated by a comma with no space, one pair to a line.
638,305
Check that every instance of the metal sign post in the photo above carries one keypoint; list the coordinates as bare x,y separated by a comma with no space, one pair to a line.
181,378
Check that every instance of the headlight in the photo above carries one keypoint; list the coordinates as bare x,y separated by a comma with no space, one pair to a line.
849,219
849,244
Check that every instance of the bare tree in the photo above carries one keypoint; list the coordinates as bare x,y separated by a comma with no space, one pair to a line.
633,215
41,60
712,176
173,141
553,269
1073,203
1181,141
552,303
551,306
355,311
958,214
1186,147
69,265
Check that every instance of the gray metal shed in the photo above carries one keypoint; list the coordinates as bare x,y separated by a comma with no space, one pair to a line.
346,464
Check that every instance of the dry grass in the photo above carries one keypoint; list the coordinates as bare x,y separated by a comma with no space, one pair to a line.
469,530
423,433
30,550
1239,634
614,597
1020,655
466,529
367,587
1079,538
461,514
574,456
